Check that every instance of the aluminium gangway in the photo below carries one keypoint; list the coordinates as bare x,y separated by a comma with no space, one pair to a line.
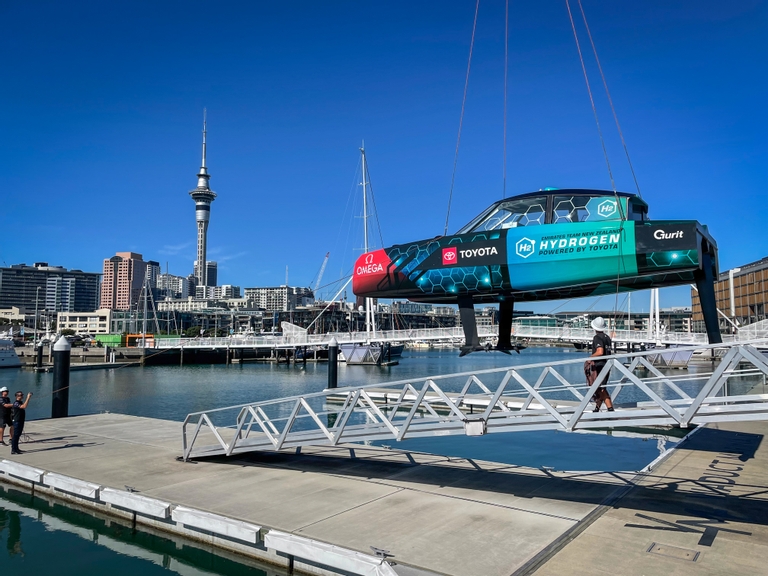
515,398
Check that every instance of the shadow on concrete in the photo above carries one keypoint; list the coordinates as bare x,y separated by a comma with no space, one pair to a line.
743,444
707,495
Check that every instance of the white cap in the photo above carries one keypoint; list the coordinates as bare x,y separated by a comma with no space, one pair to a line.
599,324
3,389
62,345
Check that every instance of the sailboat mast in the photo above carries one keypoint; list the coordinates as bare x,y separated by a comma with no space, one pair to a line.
365,243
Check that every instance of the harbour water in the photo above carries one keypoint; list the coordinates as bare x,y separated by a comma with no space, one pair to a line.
37,535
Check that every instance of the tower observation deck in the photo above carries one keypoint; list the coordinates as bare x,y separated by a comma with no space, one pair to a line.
203,196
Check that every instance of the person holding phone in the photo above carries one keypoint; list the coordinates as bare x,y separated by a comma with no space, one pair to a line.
18,415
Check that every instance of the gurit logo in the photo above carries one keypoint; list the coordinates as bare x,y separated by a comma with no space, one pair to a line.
524,247
606,208
450,255
661,235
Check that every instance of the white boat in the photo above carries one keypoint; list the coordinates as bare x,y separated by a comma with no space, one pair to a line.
8,356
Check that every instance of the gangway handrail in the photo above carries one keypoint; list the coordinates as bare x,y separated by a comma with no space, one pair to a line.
498,410
461,374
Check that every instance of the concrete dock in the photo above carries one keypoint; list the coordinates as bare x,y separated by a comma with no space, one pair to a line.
702,511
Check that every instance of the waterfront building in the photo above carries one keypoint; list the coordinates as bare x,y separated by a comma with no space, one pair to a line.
189,304
170,286
203,197
50,288
97,322
123,280
410,308
741,294
218,292
280,298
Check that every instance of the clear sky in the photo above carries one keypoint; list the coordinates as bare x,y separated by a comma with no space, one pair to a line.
102,108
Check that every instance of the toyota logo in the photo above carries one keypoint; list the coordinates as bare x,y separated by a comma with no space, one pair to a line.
450,256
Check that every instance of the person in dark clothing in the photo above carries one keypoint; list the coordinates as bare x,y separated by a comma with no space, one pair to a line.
5,415
19,415
601,346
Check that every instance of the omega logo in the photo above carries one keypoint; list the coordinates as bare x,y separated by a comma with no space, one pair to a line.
369,267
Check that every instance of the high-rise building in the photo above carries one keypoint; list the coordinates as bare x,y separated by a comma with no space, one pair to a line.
203,196
50,288
153,272
211,273
123,280
170,286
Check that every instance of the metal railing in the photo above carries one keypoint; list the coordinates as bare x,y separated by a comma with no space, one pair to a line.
559,334
529,397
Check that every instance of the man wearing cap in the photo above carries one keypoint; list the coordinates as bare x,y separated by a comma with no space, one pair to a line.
5,415
19,415
601,346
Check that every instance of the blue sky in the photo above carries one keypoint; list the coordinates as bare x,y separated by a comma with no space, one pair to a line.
102,107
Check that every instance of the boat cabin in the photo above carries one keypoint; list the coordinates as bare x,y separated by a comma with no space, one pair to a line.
554,206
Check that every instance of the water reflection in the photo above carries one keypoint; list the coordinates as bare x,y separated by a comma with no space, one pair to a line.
80,542
11,521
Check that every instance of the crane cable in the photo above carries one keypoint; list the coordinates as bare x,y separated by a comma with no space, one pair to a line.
610,100
591,99
602,143
506,72
461,118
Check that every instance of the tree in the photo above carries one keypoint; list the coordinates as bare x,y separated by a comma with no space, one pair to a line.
67,332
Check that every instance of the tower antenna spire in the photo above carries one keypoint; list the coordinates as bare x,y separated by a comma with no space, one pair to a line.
205,113
203,196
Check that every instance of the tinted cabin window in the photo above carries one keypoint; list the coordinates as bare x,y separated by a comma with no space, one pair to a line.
512,214
637,212
584,209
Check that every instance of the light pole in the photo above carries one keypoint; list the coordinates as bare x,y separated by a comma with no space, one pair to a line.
37,294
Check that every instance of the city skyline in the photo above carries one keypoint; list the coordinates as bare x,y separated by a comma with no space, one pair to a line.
291,104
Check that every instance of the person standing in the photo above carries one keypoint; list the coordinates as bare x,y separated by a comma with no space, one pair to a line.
19,415
601,346
5,415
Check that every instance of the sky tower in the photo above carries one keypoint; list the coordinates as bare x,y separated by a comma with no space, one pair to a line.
203,196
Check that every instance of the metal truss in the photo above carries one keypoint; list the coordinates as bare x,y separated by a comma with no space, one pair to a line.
528,397
520,331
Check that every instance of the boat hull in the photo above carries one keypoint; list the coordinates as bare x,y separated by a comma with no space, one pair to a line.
545,262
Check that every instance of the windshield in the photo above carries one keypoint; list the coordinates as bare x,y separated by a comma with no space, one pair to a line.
510,214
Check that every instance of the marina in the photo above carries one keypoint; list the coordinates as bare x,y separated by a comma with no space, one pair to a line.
469,373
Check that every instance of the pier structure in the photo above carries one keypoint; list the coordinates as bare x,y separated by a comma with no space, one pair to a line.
298,337
517,398
700,509
203,196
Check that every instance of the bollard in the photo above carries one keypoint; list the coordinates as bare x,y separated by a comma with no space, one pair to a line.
333,363
60,400
39,356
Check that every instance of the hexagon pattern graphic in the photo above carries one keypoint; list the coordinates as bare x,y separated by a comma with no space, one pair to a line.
606,208
525,247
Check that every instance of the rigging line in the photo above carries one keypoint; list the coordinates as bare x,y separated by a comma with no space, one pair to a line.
461,117
605,152
591,99
610,100
506,72
373,199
